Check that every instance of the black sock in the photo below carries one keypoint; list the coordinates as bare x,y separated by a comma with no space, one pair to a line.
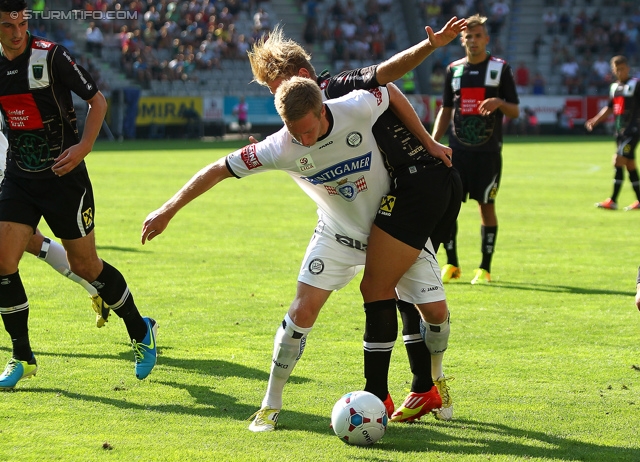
417,351
488,234
450,247
113,289
635,182
14,307
381,330
617,183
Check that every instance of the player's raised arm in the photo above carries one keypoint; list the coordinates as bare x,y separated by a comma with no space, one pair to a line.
158,220
399,64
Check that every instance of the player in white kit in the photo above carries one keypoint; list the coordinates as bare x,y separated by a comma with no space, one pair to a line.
330,151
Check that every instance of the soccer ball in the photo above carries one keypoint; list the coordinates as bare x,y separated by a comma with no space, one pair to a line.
359,418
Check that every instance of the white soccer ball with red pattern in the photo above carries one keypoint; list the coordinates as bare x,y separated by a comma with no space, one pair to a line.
359,418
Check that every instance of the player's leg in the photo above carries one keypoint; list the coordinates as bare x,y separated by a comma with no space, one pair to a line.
618,176
14,306
54,254
112,287
488,235
484,189
630,158
434,330
387,260
70,215
288,346
326,266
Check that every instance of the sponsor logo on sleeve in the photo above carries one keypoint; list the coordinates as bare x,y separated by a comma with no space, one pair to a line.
378,94
250,157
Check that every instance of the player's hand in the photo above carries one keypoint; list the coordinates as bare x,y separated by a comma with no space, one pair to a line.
154,225
489,106
589,125
440,151
445,35
252,140
69,160
638,297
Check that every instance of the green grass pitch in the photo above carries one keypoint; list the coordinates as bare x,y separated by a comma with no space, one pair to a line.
545,359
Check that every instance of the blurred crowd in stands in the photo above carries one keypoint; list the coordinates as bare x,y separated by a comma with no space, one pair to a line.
582,44
170,40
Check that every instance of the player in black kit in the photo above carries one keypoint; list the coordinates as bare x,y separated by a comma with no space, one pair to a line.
479,90
624,104
46,177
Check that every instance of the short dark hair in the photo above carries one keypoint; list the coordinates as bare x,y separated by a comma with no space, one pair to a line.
7,6
619,60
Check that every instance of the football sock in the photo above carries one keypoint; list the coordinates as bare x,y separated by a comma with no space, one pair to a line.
14,308
436,337
113,289
380,333
54,254
288,346
450,247
635,182
419,357
488,234
617,183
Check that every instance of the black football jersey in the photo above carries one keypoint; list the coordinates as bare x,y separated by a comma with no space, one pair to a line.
398,146
466,85
624,100
37,107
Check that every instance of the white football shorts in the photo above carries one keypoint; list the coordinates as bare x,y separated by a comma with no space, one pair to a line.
333,260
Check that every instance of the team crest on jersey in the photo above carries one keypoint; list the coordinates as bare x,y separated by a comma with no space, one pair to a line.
33,153
305,163
316,266
354,139
386,205
87,217
346,189
38,71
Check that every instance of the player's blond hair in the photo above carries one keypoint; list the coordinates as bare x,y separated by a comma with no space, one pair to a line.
476,20
297,97
274,56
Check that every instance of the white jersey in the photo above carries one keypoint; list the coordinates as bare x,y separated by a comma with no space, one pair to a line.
343,172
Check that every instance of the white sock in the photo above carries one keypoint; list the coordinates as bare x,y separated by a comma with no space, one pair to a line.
54,254
288,346
436,337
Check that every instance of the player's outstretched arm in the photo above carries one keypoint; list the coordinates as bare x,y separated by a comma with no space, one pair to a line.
158,220
401,106
401,63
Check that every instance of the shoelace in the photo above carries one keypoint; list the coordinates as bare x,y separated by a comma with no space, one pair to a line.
137,351
444,389
11,366
261,414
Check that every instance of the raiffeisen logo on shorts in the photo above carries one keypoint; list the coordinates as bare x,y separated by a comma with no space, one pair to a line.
77,15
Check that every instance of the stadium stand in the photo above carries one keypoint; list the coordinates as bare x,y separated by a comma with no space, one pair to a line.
199,46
